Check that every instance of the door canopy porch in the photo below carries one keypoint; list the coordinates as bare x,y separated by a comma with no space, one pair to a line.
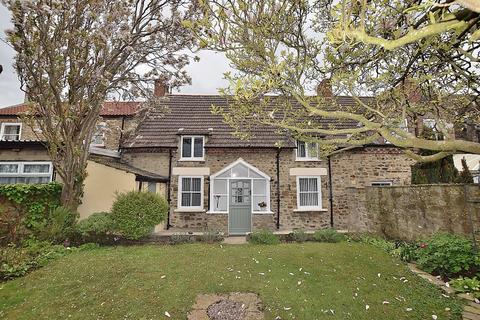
240,169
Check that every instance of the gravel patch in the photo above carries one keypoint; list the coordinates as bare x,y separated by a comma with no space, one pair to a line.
227,310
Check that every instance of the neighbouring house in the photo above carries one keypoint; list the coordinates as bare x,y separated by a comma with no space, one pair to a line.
24,158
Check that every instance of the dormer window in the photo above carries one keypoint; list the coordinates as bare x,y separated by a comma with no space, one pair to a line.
10,131
192,148
307,151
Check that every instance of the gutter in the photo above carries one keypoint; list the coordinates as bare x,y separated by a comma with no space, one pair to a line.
278,188
330,190
169,183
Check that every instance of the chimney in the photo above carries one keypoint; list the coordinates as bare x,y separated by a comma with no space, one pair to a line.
411,90
160,89
324,88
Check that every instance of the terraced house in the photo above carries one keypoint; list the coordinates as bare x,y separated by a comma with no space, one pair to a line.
214,180
221,182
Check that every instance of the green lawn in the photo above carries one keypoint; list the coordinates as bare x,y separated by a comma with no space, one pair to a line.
295,281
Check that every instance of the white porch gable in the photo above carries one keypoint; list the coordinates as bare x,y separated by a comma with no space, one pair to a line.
240,169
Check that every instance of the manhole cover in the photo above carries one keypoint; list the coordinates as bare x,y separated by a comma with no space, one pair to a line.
227,310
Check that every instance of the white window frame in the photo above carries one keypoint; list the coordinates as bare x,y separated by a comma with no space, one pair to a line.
310,208
307,155
192,157
104,127
21,174
385,183
179,194
2,130
251,179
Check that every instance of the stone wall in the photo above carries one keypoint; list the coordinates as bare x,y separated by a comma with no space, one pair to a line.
413,212
359,168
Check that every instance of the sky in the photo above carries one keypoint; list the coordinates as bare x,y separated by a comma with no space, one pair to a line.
207,74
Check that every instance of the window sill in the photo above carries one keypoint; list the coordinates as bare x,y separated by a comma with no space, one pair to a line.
192,159
307,160
262,212
217,212
310,210
189,210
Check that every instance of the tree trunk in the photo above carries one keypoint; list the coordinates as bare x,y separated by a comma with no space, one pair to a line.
73,188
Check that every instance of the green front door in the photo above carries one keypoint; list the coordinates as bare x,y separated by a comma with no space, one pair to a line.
240,213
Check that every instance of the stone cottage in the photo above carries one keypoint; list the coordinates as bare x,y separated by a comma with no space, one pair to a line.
220,182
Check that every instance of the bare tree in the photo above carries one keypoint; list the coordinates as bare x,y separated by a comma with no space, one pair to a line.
401,52
71,54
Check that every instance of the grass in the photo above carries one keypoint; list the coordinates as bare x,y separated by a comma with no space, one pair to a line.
295,281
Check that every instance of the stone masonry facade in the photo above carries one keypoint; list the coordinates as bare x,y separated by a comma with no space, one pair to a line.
356,168
112,131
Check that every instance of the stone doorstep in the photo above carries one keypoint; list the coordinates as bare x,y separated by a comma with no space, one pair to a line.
235,240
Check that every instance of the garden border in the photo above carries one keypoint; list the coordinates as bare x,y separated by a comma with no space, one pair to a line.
471,311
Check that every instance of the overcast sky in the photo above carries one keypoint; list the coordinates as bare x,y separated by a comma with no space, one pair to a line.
207,75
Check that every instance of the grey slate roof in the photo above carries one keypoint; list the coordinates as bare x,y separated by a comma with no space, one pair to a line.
191,114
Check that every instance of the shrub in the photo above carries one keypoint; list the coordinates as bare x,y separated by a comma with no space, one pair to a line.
447,255
99,223
263,237
408,251
299,235
17,261
59,226
135,214
328,235
26,209
467,285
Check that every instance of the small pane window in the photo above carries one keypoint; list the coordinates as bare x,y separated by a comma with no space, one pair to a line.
192,148
382,184
308,192
301,150
25,172
11,131
307,151
36,168
187,148
8,168
198,147
191,192
98,138
152,187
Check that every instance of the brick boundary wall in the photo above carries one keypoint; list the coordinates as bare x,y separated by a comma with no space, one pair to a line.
413,212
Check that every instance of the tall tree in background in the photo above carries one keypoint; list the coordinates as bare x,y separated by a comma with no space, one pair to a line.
71,54
465,175
419,58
